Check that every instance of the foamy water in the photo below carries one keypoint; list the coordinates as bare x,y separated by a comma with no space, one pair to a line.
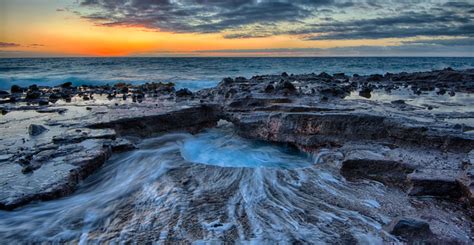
213,186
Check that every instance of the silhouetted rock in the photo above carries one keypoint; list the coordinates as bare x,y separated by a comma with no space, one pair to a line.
66,85
16,89
184,92
365,92
35,129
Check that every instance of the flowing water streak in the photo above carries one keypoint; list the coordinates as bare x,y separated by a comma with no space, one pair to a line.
214,186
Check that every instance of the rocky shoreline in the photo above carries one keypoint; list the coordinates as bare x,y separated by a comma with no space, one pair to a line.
54,137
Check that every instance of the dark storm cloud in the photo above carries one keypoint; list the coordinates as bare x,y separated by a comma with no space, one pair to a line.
8,45
410,24
310,19
206,16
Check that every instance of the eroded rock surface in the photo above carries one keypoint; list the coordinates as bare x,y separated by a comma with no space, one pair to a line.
412,132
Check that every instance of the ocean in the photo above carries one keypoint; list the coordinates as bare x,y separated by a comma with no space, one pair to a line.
197,73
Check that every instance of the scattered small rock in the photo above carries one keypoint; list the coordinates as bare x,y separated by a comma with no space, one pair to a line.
35,129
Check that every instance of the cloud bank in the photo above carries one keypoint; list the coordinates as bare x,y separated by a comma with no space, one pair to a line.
309,19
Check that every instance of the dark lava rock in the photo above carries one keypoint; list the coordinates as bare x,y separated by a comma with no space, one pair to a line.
375,78
284,85
66,85
43,102
325,75
33,87
336,91
122,145
227,81
184,92
398,102
35,129
439,183
386,171
365,92
33,95
16,89
269,88
54,97
124,90
410,229
3,93
86,97
284,74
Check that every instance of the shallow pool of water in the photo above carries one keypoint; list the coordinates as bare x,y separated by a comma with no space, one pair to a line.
221,147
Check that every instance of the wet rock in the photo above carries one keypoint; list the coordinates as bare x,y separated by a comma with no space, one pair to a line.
340,76
438,183
79,135
363,164
33,87
398,102
269,88
122,145
52,110
441,91
412,230
365,92
5,157
285,86
35,130
324,75
33,95
375,78
192,119
226,81
49,181
336,91
184,92
4,94
15,89
43,102
66,85
54,97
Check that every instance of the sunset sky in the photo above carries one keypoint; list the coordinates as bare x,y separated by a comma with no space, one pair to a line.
37,28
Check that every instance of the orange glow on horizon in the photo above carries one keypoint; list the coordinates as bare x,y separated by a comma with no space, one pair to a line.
65,34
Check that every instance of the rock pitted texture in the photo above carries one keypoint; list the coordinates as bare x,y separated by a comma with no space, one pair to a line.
402,130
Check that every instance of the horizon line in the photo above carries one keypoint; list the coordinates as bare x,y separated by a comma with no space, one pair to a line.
205,57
